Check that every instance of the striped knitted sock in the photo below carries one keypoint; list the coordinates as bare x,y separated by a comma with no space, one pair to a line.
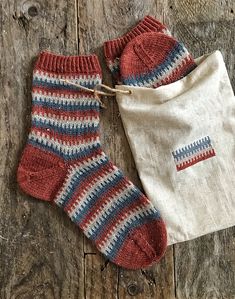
153,59
63,162
114,48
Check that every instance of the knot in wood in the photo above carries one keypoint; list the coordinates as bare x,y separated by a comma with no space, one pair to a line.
33,11
133,289
30,8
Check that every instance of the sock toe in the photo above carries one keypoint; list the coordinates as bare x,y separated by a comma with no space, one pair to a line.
153,59
145,246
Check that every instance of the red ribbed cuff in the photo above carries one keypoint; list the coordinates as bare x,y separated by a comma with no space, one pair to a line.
55,63
113,48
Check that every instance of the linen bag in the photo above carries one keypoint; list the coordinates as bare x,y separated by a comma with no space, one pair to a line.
182,137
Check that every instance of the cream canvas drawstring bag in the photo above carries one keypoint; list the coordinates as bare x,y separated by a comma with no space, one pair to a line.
182,137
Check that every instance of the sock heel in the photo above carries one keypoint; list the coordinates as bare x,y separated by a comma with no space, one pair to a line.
40,174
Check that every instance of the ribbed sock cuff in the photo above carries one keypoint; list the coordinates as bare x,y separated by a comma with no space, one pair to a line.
113,48
55,63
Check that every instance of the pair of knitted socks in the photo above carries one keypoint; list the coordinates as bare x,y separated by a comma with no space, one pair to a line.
63,161
148,56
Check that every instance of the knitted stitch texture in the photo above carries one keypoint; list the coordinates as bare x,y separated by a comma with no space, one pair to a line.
114,48
63,162
153,59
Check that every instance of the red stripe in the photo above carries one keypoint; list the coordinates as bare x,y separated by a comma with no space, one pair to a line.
106,197
60,91
193,161
68,65
87,183
71,139
129,209
60,112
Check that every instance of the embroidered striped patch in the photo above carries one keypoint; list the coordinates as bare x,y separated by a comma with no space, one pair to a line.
193,153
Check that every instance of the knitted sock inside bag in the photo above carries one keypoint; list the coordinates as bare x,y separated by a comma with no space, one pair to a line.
113,48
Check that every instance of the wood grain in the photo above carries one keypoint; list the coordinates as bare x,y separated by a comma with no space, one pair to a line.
42,254
38,242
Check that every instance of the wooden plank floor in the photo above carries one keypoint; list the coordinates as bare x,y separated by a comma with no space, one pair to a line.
42,253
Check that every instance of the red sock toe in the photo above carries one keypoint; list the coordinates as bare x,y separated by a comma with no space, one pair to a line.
145,246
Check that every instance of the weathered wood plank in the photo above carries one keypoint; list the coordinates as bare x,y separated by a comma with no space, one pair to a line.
41,250
101,278
155,282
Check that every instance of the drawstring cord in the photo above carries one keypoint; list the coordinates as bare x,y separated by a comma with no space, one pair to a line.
97,92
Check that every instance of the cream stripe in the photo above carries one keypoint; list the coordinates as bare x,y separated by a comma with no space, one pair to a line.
65,122
55,77
63,147
64,98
